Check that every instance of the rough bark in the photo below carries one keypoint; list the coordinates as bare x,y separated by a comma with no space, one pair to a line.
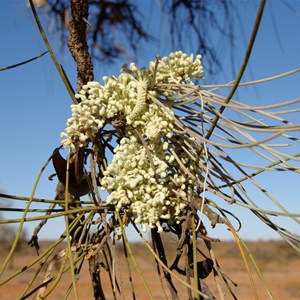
77,42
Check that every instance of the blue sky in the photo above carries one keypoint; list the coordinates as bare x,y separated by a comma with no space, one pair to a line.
35,104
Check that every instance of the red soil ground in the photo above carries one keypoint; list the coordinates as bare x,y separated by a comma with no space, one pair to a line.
279,263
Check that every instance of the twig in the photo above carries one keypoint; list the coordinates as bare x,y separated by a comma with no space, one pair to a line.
158,245
34,238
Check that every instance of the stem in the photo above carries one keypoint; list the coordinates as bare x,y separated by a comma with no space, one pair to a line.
243,67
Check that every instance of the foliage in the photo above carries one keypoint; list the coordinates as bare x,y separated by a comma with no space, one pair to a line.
172,169
117,28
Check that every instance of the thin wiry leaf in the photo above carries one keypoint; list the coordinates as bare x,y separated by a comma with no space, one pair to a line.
23,62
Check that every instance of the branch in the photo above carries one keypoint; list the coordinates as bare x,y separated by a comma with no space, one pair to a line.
77,42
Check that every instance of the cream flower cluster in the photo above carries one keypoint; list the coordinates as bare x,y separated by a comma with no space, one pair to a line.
149,182
178,68
126,96
152,192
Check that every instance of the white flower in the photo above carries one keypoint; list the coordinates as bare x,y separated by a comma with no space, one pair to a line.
151,188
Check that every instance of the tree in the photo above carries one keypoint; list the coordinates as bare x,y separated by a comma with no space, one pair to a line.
116,28
168,137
